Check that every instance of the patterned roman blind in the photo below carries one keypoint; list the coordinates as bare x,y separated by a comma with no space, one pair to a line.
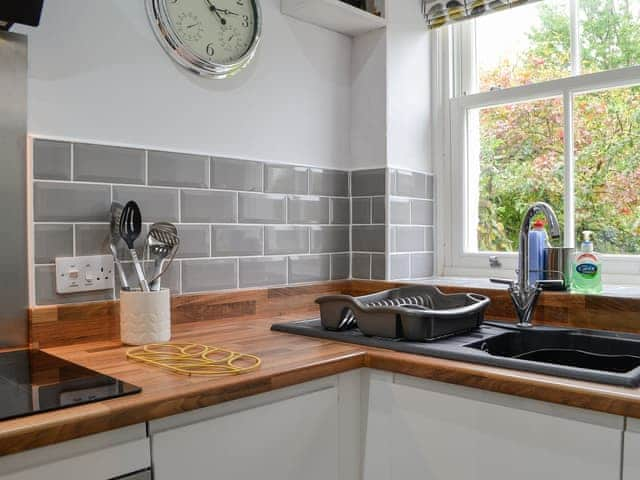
441,12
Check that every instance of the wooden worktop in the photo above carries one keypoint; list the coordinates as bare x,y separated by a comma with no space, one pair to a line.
287,360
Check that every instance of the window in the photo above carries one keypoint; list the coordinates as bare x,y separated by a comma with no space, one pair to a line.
544,104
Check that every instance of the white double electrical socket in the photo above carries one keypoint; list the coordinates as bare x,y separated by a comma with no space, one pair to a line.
84,274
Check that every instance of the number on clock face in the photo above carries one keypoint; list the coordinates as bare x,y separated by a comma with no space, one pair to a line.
221,31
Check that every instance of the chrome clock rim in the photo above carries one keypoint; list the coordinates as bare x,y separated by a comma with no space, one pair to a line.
181,53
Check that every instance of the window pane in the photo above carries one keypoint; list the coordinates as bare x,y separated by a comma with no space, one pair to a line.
607,172
519,160
525,45
609,34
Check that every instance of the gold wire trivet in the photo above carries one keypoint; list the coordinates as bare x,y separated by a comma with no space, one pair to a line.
195,359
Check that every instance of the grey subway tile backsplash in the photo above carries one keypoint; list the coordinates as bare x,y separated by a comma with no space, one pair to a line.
209,275
236,240
286,239
361,211
309,268
422,265
156,204
93,239
421,212
286,179
274,223
378,266
340,212
195,241
340,266
263,271
429,239
400,267
234,174
368,183
51,241
106,164
70,202
261,208
329,239
361,266
411,204
368,238
308,210
333,183
409,239
199,206
378,211
399,211
51,160
430,187
410,184
45,289
178,170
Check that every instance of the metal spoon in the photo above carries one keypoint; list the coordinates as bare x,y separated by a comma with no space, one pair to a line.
130,229
116,213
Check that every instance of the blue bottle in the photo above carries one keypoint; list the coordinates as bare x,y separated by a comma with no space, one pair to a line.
538,241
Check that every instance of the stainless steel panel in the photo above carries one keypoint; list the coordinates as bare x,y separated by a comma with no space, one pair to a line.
14,297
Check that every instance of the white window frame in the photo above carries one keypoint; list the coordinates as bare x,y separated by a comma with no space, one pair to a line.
451,104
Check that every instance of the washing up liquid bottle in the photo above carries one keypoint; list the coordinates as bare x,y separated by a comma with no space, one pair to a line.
538,241
587,268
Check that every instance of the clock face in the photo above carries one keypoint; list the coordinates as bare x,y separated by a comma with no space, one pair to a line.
211,37
219,30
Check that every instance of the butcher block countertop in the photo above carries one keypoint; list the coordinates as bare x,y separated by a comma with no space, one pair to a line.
286,360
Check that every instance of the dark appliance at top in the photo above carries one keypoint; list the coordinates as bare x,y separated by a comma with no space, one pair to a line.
26,12
32,381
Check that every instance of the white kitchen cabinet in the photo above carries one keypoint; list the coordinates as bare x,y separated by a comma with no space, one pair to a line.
631,456
444,432
103,456
290,434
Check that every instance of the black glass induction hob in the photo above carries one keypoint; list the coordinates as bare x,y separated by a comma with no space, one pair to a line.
32,381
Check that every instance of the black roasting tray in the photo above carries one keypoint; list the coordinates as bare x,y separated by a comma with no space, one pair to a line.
418,313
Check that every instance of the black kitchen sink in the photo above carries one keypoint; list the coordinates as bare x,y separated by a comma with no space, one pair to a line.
578,349
592,355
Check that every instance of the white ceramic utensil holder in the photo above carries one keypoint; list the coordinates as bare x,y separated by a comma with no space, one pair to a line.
145,317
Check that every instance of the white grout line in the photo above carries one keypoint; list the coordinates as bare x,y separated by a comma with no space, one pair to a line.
72,174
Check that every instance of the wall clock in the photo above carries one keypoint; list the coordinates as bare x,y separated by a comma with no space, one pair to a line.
213,38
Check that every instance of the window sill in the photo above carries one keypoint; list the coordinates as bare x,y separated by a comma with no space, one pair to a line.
610,290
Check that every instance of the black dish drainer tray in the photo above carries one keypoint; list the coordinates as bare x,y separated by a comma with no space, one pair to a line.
418,313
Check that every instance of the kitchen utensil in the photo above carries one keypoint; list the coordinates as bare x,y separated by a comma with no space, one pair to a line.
195,359
130,229
114,239
162,242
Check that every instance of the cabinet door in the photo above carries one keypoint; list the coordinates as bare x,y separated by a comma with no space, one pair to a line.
290,439
631,468
442,436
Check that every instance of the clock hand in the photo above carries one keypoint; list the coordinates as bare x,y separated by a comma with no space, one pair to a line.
191,26
227,12
213,8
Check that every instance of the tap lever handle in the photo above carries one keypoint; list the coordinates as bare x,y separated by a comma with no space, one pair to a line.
550,284
502,281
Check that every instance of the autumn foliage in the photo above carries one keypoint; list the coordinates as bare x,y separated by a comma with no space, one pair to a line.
522,145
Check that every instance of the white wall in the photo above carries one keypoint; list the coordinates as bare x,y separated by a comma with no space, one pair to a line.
391,92
98,74
368,101
408,91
